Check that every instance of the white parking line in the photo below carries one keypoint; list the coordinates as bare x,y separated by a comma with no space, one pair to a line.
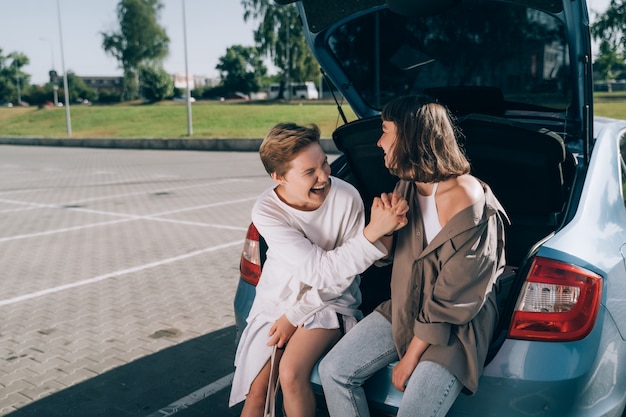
65,229
106,197
28,204
165,213
17,209
158,189
126,217
93,280
194,397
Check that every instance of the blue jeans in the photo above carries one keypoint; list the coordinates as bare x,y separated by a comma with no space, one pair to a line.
430,391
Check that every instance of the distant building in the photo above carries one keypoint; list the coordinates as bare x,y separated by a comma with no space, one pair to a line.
112,84
205,81
195,81
305,90
181,80
116,84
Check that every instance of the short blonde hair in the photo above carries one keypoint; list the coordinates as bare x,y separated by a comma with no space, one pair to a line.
283,142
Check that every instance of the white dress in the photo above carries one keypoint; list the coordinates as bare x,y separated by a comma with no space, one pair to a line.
310,274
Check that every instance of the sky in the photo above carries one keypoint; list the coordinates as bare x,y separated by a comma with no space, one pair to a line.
31,27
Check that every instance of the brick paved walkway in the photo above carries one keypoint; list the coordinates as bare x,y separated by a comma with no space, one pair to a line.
108,257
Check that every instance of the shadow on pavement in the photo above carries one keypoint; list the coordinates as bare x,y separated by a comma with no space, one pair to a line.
147,385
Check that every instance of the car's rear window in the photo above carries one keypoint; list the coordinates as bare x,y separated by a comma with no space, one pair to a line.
517,53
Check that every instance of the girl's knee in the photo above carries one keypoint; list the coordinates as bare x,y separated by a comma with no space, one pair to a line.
258,388
256,397
291,377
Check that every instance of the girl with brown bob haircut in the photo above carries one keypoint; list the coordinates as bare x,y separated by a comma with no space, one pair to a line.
426,148
442,312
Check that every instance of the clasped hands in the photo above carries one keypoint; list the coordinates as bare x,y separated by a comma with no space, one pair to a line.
388,215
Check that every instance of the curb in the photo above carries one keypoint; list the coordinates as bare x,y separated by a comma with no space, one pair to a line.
215,145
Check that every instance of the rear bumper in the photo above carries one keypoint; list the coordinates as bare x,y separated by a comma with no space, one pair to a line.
535,379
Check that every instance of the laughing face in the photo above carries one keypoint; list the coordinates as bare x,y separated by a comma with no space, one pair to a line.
387,140
307,182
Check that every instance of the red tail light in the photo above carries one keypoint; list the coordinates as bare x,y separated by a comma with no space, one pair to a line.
250,265
559,302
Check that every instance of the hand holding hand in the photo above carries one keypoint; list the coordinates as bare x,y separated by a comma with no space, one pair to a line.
399,204
281,332
388,215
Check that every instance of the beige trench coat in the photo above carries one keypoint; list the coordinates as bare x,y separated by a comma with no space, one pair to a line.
444,292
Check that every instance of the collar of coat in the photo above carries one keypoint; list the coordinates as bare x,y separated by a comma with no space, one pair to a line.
468,218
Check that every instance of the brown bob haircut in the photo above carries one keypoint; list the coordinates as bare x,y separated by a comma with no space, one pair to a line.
426,148
283,143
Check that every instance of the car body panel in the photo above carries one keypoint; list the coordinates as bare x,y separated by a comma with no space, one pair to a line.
597,231
583,378
244,297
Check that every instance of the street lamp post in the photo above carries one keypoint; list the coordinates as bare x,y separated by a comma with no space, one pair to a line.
52,73
189,121
289,89
19,92
68,119
55,94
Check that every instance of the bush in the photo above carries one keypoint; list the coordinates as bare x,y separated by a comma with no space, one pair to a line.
155,83
109,97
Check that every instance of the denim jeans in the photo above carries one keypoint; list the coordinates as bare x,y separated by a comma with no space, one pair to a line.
430,391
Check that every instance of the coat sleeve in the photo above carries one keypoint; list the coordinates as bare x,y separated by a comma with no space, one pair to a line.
464,282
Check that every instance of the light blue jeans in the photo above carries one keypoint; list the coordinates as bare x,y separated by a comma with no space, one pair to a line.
430,391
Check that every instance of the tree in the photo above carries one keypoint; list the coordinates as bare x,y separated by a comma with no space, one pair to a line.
13,81
611,26
78,89
38,95
241,69
280,36
6,85
139,41
21,79
156,83
609,63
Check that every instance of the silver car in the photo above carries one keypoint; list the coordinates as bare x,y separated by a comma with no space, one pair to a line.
517,76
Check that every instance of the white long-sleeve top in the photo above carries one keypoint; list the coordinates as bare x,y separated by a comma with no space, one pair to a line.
313,256
310,273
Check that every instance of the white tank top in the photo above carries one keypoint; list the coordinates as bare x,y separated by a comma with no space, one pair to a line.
429,214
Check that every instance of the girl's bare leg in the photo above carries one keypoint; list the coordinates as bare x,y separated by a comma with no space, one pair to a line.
255,400
301,353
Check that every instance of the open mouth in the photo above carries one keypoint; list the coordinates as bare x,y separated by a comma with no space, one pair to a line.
319,190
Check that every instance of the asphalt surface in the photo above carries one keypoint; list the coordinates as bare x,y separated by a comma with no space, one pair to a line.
119,269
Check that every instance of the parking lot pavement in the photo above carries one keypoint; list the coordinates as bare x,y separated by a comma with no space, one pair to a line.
159,384
119,269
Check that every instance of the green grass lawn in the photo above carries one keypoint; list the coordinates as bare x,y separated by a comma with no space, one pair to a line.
168,120
210,119
610,104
